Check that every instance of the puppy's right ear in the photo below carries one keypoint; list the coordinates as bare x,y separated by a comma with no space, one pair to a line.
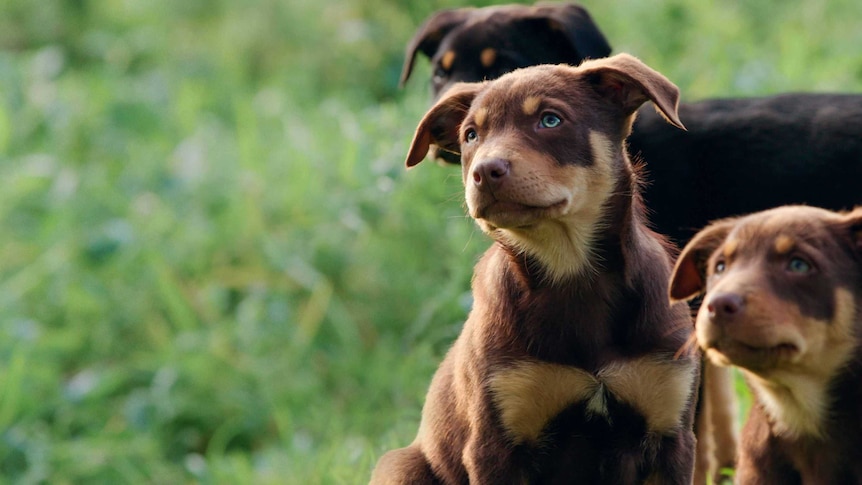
688,278
577,29
427,38
852,223
441,123
630,83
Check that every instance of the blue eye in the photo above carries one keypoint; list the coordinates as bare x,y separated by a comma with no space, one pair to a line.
799,266
471,135
720,267
550,120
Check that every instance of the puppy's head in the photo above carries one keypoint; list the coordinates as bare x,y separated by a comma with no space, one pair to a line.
782,290
542,149
475,44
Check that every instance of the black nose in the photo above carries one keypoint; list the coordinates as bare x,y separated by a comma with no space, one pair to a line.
490,174
725,305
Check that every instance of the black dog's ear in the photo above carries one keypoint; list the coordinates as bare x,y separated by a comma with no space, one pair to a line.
428,36
631,83
441,123
575,27
688,278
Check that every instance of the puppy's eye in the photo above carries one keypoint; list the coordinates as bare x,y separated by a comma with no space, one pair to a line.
470,135
799,266
550,120
439,74
720,267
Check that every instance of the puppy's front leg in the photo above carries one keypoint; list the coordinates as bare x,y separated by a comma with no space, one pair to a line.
675,460
490,456
489,459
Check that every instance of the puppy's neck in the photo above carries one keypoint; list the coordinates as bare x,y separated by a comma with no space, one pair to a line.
807,405
797,405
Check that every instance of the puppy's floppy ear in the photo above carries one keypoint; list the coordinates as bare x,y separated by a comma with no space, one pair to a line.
688,278
630,83
427,38
576,28
441,123
852,224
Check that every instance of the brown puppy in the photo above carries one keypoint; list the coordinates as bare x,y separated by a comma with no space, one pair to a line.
784,303
567,369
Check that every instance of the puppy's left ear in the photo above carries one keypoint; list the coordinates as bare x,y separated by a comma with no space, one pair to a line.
631,83
688,278
441,124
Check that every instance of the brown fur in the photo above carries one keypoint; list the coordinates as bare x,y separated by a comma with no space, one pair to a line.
783,302
568,368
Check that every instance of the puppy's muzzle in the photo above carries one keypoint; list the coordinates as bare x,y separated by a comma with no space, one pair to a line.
741,334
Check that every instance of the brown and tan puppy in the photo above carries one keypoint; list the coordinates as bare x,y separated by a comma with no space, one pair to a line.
475,44
783,302
568,368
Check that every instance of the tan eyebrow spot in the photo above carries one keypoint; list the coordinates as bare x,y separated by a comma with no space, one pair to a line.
531,104
783,244
447,60
480,116
488,56
730,247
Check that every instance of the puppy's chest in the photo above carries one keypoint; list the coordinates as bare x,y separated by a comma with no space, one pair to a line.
530,394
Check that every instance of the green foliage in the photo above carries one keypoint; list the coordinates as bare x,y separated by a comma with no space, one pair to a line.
213,267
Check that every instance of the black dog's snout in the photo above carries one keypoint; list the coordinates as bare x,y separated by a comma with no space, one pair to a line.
491,174
725,305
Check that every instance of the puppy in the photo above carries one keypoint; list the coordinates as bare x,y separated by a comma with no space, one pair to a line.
784,303
809,146
473,44
725,141
568,368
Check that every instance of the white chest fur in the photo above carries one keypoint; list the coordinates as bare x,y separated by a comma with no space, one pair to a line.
531,393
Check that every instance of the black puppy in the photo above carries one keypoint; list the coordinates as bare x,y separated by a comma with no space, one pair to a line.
738,155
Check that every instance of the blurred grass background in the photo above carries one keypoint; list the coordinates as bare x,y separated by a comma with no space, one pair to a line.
213,267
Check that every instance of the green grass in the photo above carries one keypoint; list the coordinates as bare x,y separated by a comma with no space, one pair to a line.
213,267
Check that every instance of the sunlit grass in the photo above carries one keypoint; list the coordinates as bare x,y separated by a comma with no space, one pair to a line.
213,266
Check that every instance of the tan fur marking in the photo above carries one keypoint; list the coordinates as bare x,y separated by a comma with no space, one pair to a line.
480,116
784,244
657,387
447,60
488,56
796,396
531,105
554,25
730,247
532,393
